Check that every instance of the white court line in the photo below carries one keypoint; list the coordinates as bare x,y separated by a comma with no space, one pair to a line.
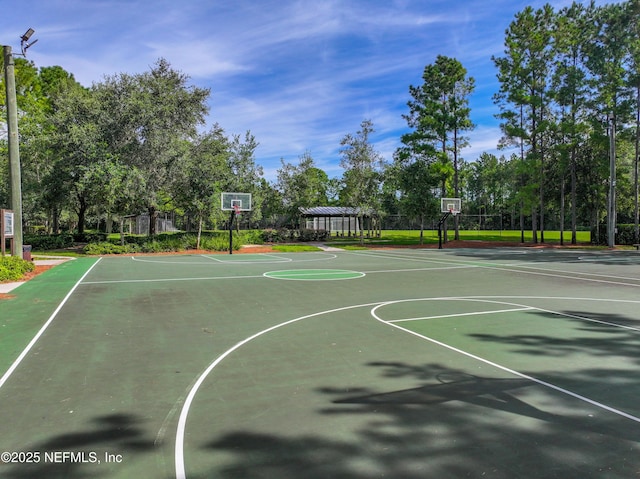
211,258
181,428
420,269
26,350
518,269
165,280
475,313
279,259
182,421
504,368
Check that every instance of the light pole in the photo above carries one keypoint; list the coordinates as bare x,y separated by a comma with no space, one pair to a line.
611,215
15,181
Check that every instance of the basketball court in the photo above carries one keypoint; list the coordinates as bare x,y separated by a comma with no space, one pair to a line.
380,363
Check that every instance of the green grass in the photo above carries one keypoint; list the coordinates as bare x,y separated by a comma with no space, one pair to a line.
412,237
295,248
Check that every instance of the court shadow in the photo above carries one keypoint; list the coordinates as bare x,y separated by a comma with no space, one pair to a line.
566,256
456,425
116,434
597,335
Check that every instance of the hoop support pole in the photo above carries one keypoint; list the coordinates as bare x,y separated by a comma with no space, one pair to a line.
440,223
233,214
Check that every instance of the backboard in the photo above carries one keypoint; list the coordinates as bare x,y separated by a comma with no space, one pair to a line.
236,201
450,205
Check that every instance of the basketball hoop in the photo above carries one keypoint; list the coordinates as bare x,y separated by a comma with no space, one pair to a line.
236,210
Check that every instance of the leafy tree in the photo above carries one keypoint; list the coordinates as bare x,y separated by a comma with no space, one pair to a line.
438,116
302,185
362,176
524,94
570,90
78,149
246,174
202,175
145,118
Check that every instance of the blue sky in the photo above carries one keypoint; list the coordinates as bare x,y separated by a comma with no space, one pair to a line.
299,74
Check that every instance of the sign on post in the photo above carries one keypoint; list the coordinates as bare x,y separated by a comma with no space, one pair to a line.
6,228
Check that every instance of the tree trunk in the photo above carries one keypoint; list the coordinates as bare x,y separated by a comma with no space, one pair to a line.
199,231
636,230
562,188
153,215
534,225
55,220
82,212
122,231
574,187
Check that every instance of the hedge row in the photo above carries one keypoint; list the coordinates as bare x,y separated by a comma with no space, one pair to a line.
165,243
285,235
624,236
12,268
101,243
61,241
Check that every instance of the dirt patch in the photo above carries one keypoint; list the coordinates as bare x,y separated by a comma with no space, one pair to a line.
38,270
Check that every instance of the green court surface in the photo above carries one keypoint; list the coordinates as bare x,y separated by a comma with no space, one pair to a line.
411,364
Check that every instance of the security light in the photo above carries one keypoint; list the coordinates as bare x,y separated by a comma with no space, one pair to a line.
27,35
24,39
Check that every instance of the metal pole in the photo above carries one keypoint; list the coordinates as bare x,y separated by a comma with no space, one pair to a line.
611,223
14,153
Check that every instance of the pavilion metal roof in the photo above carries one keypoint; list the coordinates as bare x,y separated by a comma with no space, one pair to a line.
330,211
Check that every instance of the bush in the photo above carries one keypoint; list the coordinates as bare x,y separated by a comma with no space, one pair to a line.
251,237
166,243
110,248
220,243
285,236
13,268
90,237
48,242
624,236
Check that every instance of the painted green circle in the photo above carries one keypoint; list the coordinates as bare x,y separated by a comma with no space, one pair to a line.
314,274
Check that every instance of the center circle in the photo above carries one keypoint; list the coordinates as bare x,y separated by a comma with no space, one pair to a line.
314,274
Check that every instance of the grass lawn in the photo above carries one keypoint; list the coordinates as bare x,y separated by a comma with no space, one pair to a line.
411,237
286,248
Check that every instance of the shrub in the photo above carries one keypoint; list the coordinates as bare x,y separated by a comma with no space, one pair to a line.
12,268
284,235
90,237
624,235
48,242
110,248
220,243
251,237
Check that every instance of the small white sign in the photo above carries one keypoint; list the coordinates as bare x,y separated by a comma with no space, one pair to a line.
7,221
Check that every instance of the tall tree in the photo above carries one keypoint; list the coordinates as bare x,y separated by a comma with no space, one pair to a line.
79,152
302,186
573,29
362,176
524,94
438,116
202,175
246,173
145,118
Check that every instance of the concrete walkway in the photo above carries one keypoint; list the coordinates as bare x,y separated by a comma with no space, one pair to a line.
49,261
324,247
